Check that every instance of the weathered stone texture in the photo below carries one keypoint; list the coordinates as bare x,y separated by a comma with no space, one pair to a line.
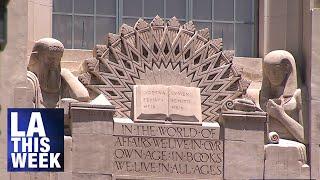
91,120
88,176
150,102
185,101
250,68
91,153
244,137
167,151
167,103
315,139
64,176
92,130
315,55
67,154
20,176
14,57
286,160
42,175
163,53
313,74
315,160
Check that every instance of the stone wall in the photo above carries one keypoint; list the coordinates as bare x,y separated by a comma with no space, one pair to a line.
250,69
39,21
28,20
277,18
72,59
314,94
12,71
244,137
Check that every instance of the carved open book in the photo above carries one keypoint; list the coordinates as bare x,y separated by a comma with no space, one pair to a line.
162,103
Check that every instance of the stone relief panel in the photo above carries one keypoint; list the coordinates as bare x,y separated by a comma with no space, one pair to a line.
163,53
158,150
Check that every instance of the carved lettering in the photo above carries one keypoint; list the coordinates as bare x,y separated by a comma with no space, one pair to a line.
157,130
160,150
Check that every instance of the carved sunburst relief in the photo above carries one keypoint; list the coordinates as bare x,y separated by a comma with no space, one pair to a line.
163,53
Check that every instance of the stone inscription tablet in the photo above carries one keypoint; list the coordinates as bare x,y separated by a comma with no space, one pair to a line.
167,151
167,103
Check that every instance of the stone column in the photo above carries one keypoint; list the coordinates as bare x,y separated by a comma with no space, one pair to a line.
39,21
244,137
12,72
92,141
24,25
280,26
313,65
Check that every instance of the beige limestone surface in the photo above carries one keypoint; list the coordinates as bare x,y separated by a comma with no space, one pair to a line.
285,161
311,44
250,68
39,21
73,58
92,129
150,102
244,137
273,37
13,58
167,103
166,151
185,101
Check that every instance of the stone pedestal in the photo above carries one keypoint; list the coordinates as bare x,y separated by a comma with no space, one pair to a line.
92,129
244,136
104,147
286,160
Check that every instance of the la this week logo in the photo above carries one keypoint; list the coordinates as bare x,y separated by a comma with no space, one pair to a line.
35,139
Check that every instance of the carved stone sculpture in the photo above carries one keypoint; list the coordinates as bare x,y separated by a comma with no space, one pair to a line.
139,68
280,97
285,155
163,53
174,104
240,105
55,83
273,138
34,89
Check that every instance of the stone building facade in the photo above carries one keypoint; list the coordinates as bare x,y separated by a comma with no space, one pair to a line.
291,25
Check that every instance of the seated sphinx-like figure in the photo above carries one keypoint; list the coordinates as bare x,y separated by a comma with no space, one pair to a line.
280,97
55,83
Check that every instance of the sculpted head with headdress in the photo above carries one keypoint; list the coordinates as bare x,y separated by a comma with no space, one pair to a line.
45,63
279,75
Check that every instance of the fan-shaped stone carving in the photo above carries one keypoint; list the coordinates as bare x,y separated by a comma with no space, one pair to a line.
163,53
